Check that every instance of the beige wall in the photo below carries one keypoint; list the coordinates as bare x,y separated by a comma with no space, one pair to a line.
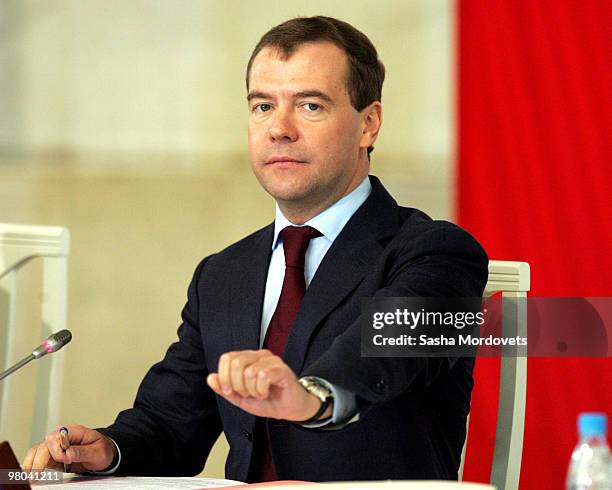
126,122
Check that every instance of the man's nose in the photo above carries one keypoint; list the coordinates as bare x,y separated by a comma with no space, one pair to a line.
282,127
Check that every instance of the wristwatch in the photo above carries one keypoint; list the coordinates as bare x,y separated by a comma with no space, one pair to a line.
314,386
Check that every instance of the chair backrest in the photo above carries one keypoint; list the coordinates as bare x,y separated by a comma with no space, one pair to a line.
19,244
512,279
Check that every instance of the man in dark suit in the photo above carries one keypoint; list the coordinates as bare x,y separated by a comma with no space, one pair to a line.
269,348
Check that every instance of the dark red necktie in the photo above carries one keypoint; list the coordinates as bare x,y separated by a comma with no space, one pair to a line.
295,244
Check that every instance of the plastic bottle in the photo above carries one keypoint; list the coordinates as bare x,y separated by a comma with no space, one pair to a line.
591,465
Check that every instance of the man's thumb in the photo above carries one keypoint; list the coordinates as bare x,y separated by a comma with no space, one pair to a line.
81,454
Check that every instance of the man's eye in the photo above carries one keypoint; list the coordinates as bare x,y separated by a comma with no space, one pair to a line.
262,107
311,106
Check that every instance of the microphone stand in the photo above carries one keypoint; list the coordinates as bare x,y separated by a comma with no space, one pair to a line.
20,364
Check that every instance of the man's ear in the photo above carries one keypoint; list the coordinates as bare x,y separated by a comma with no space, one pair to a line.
371,122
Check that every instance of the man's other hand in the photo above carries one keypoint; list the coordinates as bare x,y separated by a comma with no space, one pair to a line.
260,383
88,450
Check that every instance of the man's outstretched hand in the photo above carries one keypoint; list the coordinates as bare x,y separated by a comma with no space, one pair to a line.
260,383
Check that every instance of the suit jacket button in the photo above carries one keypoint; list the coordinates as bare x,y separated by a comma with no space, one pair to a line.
247,434
380,386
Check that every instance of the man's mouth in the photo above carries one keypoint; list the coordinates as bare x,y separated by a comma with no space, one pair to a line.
283,161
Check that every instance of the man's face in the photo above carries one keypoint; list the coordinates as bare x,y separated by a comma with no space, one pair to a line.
304,134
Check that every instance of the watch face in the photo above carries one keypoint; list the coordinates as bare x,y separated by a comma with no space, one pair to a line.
316,388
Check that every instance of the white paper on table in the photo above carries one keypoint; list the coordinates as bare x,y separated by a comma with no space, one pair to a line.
134,482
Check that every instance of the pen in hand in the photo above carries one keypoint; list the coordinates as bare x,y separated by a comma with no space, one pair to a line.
65,443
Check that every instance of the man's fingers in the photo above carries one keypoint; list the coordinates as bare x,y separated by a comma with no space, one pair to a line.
41,458
234,398
232,366
263,383
224,372
96,456
240,366
276,372
29,459
270,373
84,454
251,374
258,375
79,434
213,381
215,384
239,372
237,366
54,445
46,454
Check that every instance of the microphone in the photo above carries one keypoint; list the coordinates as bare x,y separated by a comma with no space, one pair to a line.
52,344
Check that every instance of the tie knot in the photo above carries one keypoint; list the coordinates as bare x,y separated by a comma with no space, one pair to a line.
295,243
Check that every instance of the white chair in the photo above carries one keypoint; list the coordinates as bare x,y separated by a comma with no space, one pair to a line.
19,244
512,279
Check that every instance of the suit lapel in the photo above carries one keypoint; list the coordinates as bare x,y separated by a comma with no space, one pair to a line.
343,268
249,273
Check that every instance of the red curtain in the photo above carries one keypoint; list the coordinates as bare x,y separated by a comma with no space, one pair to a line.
535,184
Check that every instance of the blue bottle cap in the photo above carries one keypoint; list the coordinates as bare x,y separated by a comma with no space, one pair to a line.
592,424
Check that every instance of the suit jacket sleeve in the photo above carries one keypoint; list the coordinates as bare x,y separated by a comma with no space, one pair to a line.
444,261
174,421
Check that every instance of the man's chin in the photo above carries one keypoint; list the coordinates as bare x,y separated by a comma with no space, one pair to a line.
288,195
288,191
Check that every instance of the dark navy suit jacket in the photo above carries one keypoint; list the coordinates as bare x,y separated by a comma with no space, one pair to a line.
413,410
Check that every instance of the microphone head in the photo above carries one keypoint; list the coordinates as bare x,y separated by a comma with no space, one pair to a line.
53,343
58,340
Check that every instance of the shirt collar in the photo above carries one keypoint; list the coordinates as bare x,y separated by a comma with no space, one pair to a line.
331,221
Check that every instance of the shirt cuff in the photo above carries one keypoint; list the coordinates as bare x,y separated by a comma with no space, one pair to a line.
345,407
114,468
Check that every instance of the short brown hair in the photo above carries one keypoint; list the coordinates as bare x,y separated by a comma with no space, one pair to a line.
366,72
